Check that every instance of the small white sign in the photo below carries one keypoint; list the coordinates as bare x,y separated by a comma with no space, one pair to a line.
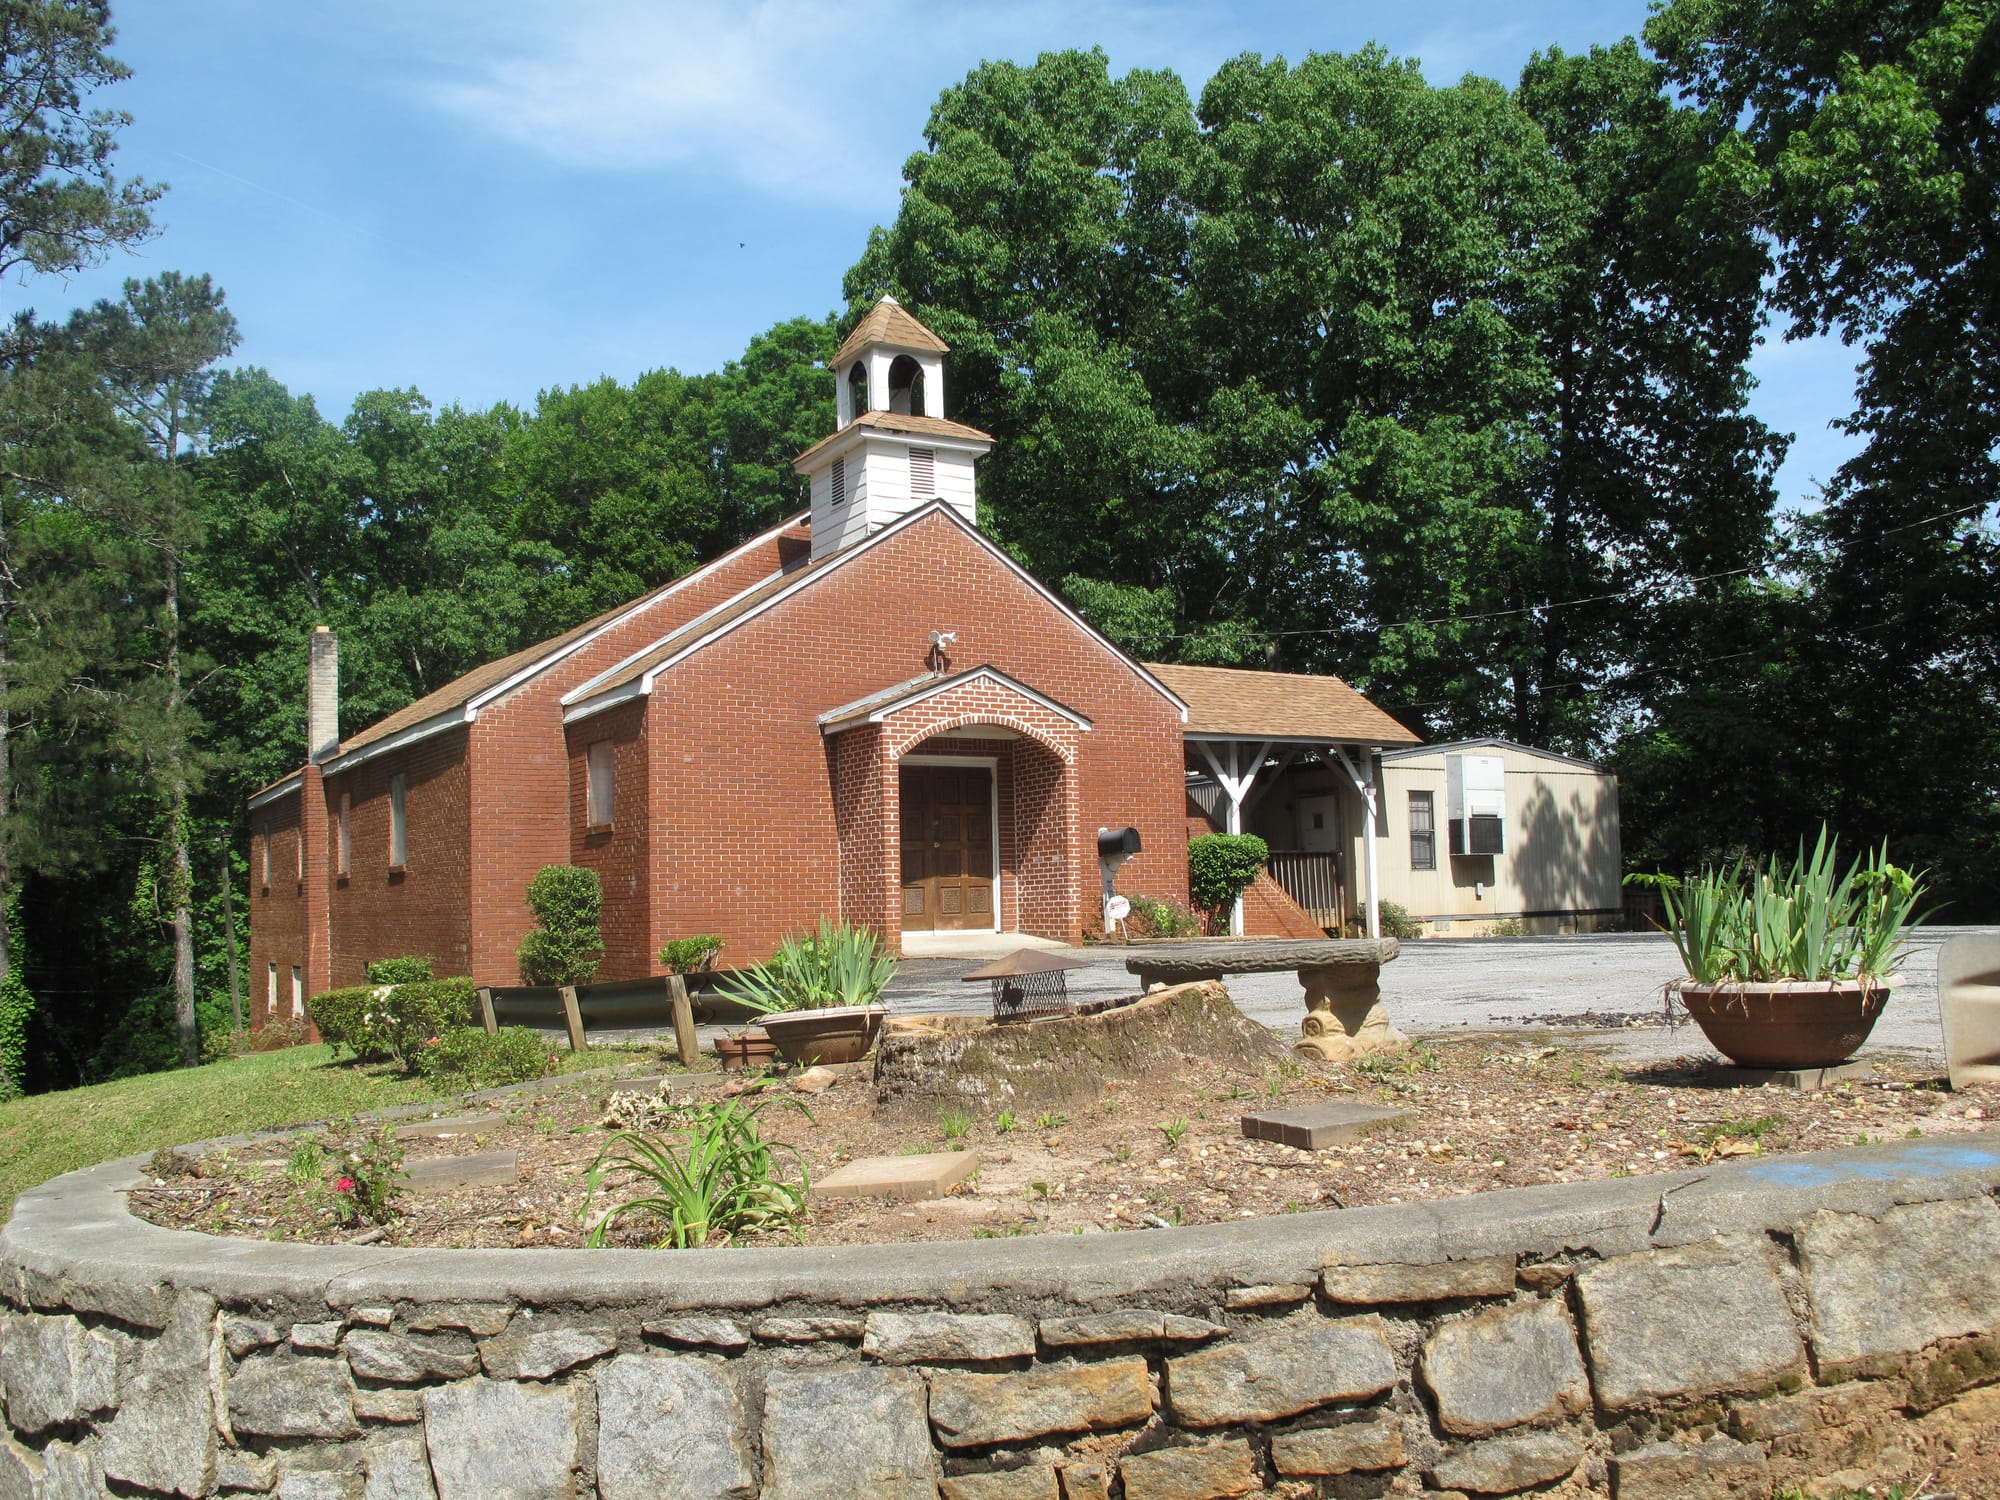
1118,908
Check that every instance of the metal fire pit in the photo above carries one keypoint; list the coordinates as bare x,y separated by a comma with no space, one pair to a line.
1028,984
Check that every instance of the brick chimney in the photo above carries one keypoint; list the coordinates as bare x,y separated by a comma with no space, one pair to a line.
323,696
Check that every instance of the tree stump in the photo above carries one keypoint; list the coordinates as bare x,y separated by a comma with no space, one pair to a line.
924,1062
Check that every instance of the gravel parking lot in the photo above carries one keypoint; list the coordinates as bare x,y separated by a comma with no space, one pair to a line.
1606,987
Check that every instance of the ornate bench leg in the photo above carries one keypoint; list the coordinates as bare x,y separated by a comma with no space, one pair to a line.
1345,1015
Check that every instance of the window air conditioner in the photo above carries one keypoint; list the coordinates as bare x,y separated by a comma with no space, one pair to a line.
1476,803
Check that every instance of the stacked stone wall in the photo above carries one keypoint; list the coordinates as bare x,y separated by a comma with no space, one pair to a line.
1718,1334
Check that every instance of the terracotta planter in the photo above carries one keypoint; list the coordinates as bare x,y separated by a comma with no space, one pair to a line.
749,1049
838,1034
1792,1023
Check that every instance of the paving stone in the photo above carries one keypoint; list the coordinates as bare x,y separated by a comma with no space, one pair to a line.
388,1405
703,1333
1036,1482
250,1472
494,1440
1810,1080
448,1174
1314,1127
1250,1298
976,1411
1504,1367
401,1361
1087,1479
939,1338
807,1330
163,1437
56,1371
1502,1465
320,1336
1690,1321
241,1335
480,1319
671,1424
450,1128
1883,1288
1487,1276
1352,1447
1210,1471
1719,1469
537,1356
292,1398
399,1469
931,1175
831,1434
1282,1374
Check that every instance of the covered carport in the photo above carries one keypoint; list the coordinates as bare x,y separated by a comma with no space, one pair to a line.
1245,729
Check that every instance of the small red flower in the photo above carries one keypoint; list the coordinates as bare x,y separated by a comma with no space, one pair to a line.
343,1185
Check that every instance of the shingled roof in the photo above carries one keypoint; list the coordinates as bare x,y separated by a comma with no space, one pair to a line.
1227,701
889,421
888,323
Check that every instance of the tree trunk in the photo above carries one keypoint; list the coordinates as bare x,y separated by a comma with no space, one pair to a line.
229,941
177,834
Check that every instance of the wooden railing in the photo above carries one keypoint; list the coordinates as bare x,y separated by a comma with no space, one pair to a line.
1310,878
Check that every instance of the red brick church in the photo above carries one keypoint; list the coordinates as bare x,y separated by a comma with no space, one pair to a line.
868,712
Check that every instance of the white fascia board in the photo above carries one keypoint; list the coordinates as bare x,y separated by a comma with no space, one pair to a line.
988,674
437,724
535,668
584,689
638,687
278,789
1213,737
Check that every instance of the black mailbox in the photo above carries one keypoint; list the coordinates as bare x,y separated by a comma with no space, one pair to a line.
1115,841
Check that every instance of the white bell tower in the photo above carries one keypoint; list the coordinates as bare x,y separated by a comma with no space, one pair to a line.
894,450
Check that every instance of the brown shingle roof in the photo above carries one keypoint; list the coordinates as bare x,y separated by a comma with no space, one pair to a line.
889,421
888,323
1278,705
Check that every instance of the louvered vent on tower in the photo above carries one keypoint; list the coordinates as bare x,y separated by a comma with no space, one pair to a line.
839,481
923,473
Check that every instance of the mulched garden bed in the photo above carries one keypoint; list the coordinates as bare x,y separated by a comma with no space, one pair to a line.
1490,1112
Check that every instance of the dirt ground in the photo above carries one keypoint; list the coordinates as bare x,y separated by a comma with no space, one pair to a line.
1488,1111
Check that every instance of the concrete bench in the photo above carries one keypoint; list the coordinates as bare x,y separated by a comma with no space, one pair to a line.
1345,1015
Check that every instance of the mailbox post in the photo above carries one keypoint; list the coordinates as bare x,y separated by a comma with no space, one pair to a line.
1114,847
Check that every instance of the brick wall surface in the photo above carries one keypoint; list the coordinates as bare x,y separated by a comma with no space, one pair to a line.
616,852
277,906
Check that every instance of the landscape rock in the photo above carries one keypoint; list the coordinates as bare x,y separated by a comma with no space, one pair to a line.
1087,1479
292,1398
388,1405
317,1336
250,1472
1211,1471
374,1317
1037,1482
55,1371
830,1434
399,1469
703,1332
938,1338
1502,1465
1487,1276
1880,1289
1719,1469
1178,1330
242,1335
400,1361
494,1440
1283,1374
307,1476
537,1356
1352,1447
1504,1367
70,1473
815,1080
1248,1298
976,1411
807,1330
1643,1345
163,1437
480,1319
1127,1326
671,1424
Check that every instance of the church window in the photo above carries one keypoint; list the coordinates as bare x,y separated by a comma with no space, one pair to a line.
599,787
399,831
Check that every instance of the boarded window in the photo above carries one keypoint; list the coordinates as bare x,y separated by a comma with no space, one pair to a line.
399,832
1423,832
923,473
298,991
601,783
838,480
271,992
343,849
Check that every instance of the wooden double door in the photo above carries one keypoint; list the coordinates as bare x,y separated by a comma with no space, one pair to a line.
947,848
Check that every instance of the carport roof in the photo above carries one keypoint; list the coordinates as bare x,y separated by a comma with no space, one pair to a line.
1229,703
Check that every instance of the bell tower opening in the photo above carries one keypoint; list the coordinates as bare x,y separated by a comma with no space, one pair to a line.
906,388
857,389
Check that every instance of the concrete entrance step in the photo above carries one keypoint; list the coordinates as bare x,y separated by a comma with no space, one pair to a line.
971,944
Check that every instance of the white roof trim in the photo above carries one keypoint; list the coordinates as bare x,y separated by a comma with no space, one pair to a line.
1493,742
840,559
535,668
836,719
451,718
278,789
636,688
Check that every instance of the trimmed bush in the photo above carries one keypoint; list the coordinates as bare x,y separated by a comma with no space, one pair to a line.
467,1055
405,1019
1221,867
1397,921
567,901
339,1015
414,969
691,955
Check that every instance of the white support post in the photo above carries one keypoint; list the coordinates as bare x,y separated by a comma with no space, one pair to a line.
1235,782
1371,876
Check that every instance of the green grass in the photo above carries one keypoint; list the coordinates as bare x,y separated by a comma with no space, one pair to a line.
45,1135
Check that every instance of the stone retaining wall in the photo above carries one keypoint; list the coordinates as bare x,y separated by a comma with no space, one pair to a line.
1715,1333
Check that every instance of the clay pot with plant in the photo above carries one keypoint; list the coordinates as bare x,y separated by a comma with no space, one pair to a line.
1789,965
818,993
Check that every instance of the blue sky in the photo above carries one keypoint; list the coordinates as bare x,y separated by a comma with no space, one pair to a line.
485,198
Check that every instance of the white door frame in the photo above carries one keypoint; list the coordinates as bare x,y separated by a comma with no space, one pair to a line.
992,764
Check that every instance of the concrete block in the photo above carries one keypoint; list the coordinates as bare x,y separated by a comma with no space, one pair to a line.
450,1128
899,1177
1314,1127
447,1174
1809,1080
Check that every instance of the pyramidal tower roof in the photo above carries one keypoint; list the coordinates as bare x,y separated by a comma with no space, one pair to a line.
890,326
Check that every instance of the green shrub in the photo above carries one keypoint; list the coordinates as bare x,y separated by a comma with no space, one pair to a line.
1161,916
568,902
411,970
402,1021
1221,867
466,1056
834,964
691,955
1397,921
720,1179
1507,927
339,1015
